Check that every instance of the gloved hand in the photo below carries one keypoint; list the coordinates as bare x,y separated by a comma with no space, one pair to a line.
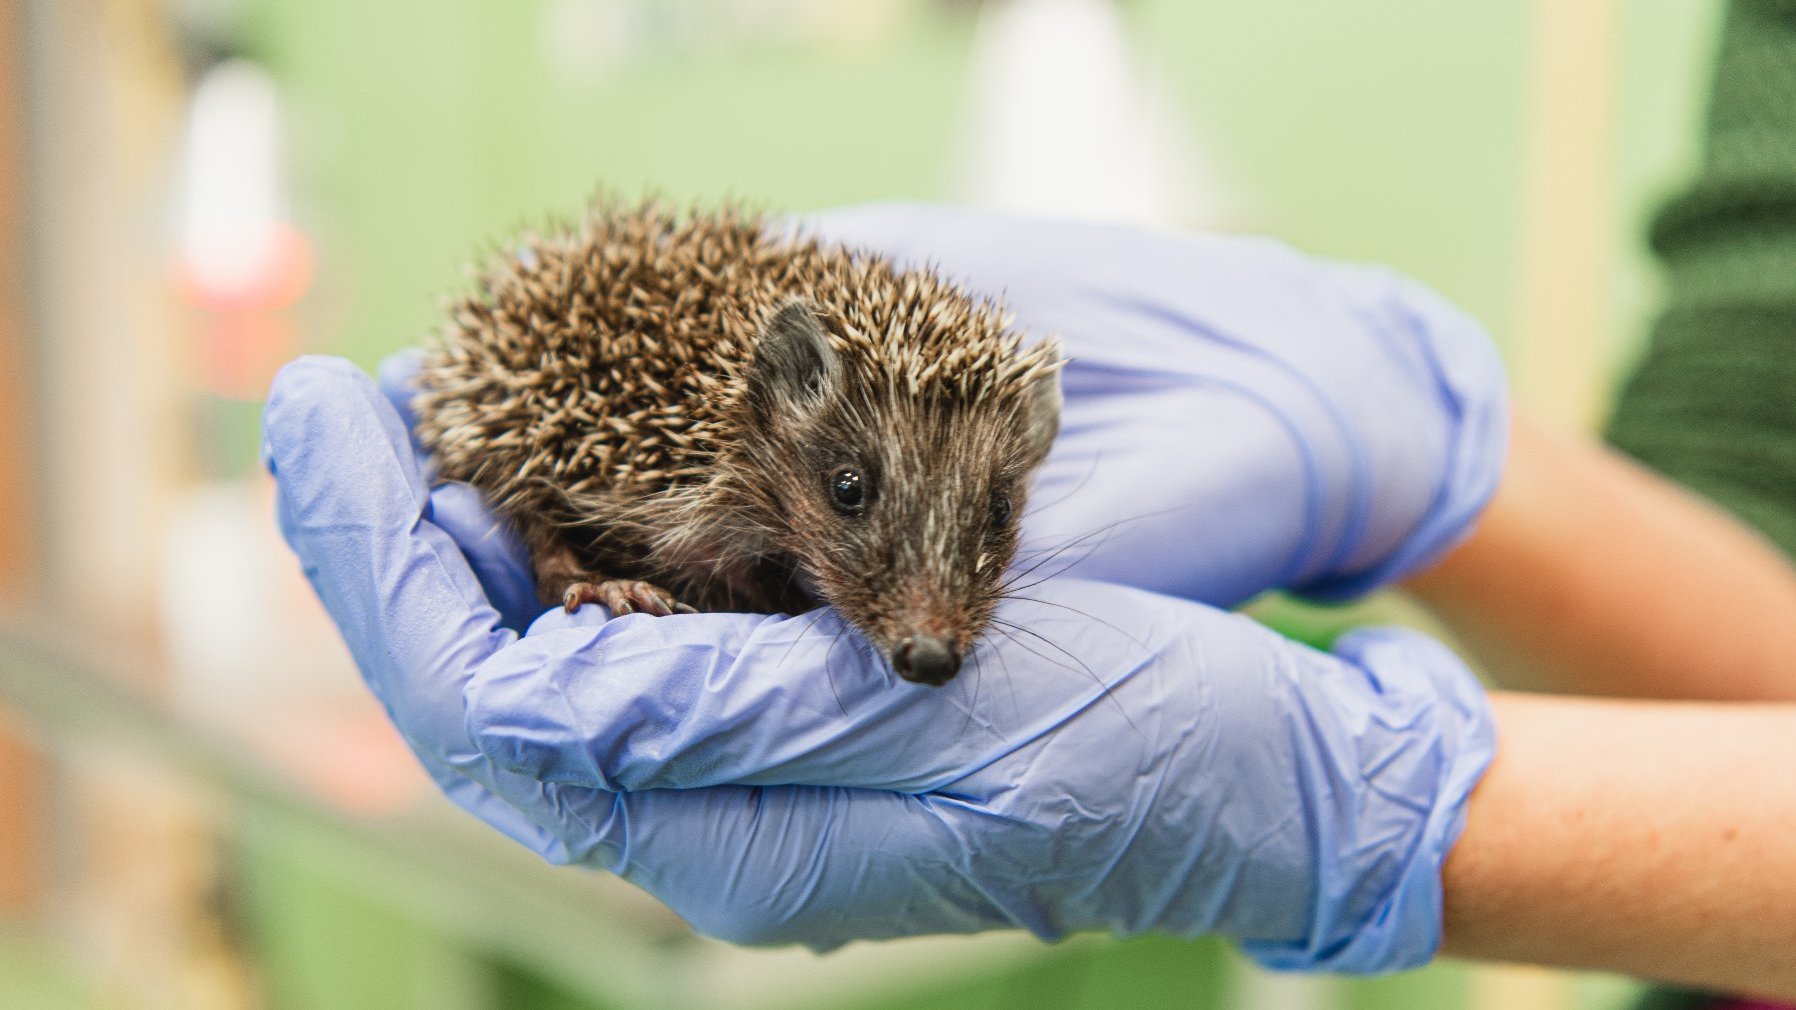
1122,761
1238,417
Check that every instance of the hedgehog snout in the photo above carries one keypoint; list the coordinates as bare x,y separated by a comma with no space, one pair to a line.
925,659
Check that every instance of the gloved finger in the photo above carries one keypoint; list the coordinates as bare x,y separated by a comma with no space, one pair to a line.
493,550
1120,500
352,504
492,547
782,865
397,376
507,817
683,702
349,501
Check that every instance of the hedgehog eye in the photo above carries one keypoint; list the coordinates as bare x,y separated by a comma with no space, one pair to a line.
1000,514
848,491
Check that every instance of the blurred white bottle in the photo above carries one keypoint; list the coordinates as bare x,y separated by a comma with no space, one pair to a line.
1064,119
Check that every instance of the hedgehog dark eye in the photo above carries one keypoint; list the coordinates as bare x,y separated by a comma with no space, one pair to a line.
1000,515
848,491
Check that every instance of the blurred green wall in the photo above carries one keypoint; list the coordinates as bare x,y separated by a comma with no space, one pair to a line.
1394,130
1389,130
426,127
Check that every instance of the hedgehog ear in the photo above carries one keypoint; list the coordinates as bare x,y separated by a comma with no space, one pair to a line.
1041,414
794,366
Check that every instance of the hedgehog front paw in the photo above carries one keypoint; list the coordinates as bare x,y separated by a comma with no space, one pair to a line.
624,596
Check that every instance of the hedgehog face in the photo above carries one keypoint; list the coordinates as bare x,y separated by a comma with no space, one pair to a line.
896,501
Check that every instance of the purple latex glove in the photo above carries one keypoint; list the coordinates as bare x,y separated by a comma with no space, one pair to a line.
1239,417
1131,762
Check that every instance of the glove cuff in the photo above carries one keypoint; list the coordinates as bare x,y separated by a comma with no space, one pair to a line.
1451,352
1378,896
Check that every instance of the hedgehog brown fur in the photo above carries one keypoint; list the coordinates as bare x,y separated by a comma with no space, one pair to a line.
618,389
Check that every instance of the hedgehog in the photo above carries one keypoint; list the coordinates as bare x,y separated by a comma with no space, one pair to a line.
709,411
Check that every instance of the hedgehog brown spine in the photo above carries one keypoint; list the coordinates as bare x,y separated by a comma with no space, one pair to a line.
592,385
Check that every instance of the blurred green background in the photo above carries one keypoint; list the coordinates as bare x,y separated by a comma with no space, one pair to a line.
1391,130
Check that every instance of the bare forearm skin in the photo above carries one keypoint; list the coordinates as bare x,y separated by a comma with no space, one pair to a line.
1589,574
1654,839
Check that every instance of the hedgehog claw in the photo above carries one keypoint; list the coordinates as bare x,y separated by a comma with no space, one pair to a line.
575,595
624,596
621,605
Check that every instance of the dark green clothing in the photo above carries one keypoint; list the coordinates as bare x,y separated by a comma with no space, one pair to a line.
1712,403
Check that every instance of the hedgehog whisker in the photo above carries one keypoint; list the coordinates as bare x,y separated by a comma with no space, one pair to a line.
1004,664
828,667
811,623
974,703
1090,472
1104,687
1013,579
1056,551
1081,613
1103,529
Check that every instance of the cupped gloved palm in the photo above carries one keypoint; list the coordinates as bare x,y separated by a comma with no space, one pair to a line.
1119,761
1238,417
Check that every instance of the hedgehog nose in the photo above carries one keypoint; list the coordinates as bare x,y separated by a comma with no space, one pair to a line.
925,660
